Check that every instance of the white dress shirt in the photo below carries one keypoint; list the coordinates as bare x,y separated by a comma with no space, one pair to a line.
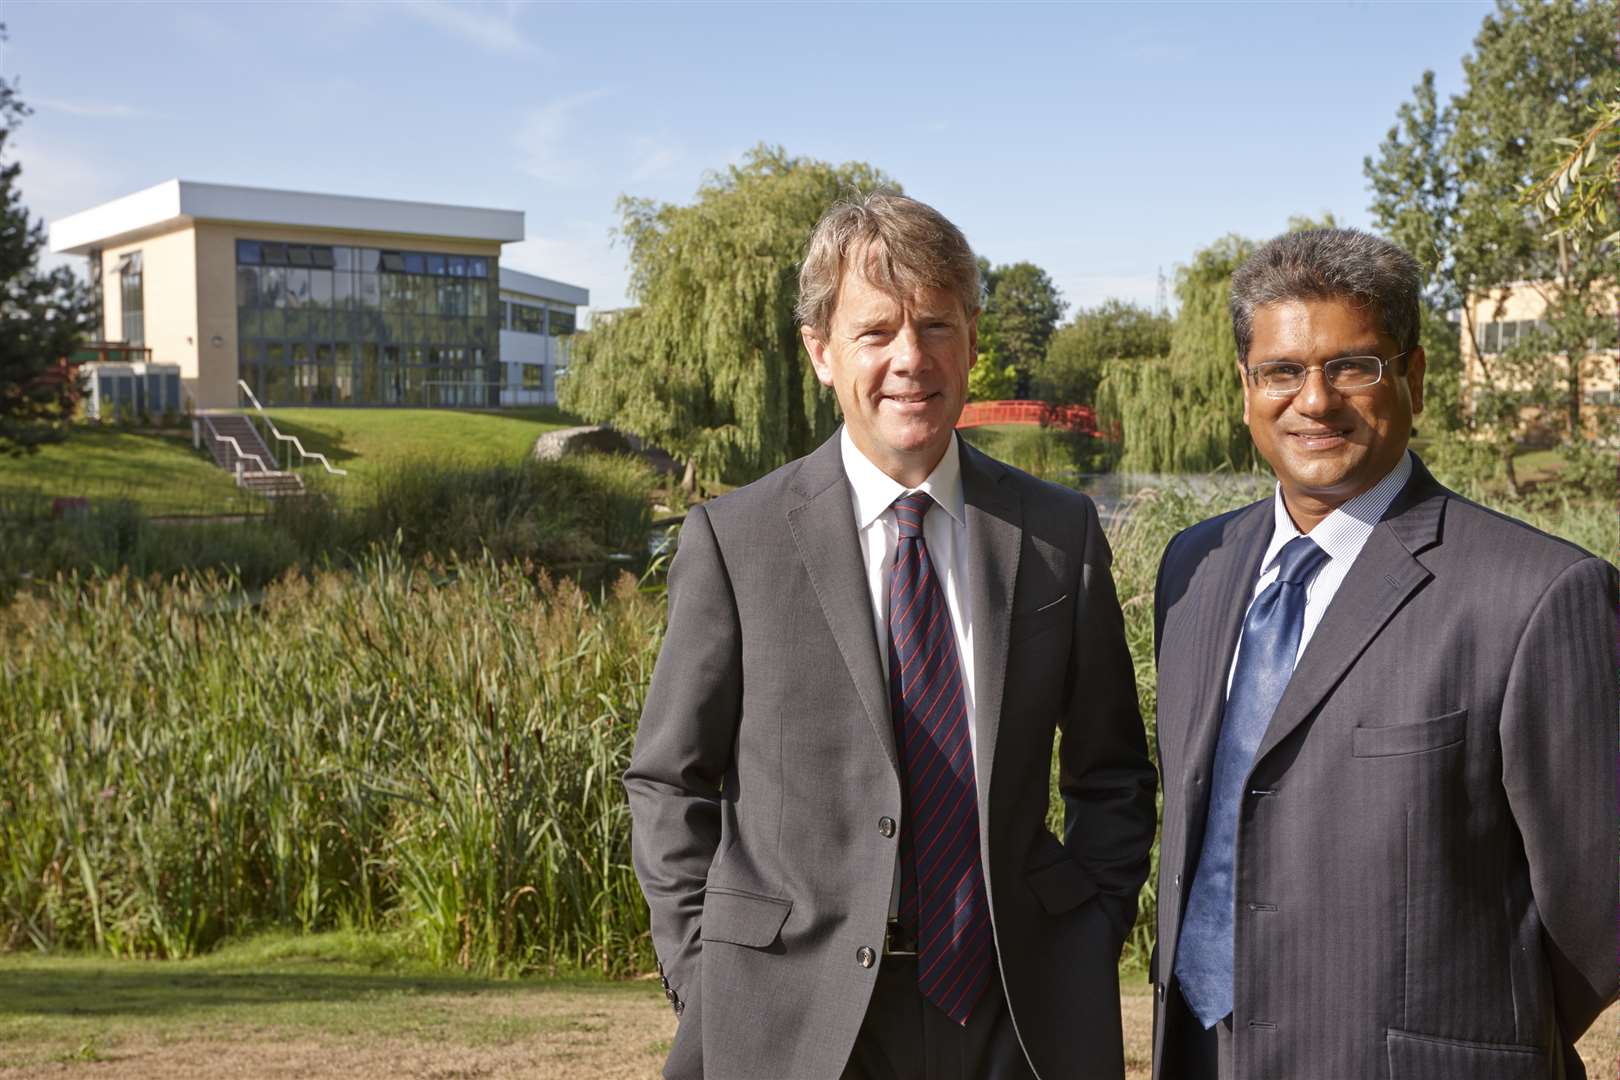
1342,534
872,491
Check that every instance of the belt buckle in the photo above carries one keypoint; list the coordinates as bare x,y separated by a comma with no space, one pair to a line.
893,940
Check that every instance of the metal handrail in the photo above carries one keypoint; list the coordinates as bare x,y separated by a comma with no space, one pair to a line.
302,453
241,455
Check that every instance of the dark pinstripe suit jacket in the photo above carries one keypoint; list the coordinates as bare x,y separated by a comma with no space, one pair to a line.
1426,876
765,762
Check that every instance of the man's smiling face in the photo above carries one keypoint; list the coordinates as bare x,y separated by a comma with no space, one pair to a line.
899,366
1325,445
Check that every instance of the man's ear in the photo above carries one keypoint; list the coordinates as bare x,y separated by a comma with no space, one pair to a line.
817,348
1243,388
1414,377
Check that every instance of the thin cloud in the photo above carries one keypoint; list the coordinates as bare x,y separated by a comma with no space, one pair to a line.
97,109
489,29
652,157
542,141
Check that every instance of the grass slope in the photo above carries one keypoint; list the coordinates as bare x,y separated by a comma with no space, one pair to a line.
163,475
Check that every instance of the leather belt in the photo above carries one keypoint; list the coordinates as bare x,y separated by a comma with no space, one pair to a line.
898,940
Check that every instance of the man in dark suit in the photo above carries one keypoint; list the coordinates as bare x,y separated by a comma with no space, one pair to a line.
840,783
1387,730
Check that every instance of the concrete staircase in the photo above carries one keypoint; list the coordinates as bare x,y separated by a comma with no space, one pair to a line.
236,446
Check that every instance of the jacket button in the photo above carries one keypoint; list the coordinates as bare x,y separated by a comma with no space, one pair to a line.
886,826
865,957
1159,988
1178,881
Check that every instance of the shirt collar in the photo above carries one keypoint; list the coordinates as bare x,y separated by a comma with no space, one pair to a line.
1344,532
874,490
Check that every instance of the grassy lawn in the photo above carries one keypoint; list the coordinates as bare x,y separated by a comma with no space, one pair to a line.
343,1005
365,441
161,472
165,476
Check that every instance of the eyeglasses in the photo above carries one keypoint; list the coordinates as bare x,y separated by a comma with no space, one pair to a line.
1284,378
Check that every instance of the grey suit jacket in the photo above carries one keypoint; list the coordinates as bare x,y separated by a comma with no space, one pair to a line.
1426,878
766,759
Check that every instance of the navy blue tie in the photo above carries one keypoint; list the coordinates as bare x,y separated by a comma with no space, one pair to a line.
1264,665
942,893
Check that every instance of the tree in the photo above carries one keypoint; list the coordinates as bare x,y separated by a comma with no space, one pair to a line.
43,316
991,381
1022,311
1081,350
709,365
1447,185
1184,413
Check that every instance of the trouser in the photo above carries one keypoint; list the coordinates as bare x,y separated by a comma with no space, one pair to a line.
1191,1051
906,1037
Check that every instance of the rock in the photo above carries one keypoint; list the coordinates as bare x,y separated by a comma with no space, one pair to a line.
565,442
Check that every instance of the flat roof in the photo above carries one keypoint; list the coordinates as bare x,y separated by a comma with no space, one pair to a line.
175,203
541,288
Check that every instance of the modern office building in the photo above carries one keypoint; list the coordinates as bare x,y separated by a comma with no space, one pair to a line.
323,299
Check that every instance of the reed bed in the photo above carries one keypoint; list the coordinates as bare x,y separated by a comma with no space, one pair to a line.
433,749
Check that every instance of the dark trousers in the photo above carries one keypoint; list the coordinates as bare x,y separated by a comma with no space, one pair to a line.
1191,1051
906,1037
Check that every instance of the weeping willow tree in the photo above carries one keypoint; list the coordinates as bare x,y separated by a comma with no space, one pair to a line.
1184,412
709,365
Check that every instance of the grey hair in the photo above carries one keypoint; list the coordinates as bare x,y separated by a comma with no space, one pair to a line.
1329,264
904,245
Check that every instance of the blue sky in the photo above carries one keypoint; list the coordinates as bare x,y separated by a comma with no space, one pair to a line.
1101,141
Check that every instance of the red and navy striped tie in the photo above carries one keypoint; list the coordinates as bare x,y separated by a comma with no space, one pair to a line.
942,894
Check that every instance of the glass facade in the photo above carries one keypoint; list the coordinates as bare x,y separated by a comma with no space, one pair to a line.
132,299
321,325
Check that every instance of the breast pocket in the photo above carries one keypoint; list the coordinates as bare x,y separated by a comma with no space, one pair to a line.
1398,740
1053,613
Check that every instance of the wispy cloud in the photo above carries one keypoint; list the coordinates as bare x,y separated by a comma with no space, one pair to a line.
490,27
542,140
100,109
651,157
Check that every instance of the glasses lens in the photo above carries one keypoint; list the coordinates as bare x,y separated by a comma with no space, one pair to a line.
1350,372
1279,378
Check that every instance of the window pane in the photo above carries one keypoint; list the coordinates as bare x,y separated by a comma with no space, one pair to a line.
322,257
247,286
272,322
247,322
1493,338
247,252
320,288
562,322
415,263
393,262
343,258
436,265
1510,334
370,296
297,287
458,266
343,291
298,255
477,266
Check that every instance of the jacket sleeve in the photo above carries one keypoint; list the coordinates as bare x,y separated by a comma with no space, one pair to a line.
1105,776
1559,736
683,750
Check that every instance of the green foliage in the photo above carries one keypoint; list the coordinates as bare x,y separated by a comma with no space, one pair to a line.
1578,188
1081,351
1048,453
43,316
555,513
1184,413
1020,314
990,380
385,749
710,365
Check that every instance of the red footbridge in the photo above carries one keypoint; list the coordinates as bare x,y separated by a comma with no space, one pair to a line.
1078,418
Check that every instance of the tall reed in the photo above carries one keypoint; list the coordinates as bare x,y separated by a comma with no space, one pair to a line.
382,748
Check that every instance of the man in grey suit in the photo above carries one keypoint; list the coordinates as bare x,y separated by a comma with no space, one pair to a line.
1387,730
840,782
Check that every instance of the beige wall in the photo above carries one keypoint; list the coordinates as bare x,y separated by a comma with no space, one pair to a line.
169,298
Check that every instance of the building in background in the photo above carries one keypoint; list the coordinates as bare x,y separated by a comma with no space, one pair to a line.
537,321
316,299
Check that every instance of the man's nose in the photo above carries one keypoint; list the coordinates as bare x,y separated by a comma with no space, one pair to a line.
1317,396
906,350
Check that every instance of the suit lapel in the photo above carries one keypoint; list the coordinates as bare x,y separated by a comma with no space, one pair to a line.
995,536
1226,584
1383,576
822,520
